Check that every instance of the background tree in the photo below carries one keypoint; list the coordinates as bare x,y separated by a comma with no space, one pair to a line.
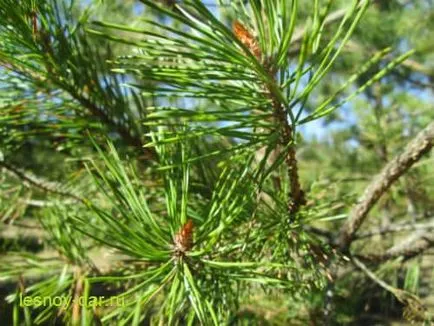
216,163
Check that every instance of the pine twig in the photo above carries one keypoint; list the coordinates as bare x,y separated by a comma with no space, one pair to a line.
414,309
297,197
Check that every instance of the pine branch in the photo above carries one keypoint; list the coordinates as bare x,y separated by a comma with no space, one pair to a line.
419,146
44,185
407,249
56,58
397,228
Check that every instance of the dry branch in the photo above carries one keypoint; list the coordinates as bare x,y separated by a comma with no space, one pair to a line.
407,249
419,146
397,228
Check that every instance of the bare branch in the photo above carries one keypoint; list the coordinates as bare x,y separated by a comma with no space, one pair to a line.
419,146
396,228
407,249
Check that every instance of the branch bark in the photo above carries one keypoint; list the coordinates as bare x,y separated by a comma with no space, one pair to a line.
297,196
419,146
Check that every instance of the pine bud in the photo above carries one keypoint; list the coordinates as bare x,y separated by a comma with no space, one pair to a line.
246,38
184,238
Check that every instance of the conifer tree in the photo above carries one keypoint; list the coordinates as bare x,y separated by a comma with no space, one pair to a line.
158,165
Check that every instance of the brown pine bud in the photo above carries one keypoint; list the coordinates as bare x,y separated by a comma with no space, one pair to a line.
184,238
245,37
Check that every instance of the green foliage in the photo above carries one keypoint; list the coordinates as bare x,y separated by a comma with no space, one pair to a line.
153,144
